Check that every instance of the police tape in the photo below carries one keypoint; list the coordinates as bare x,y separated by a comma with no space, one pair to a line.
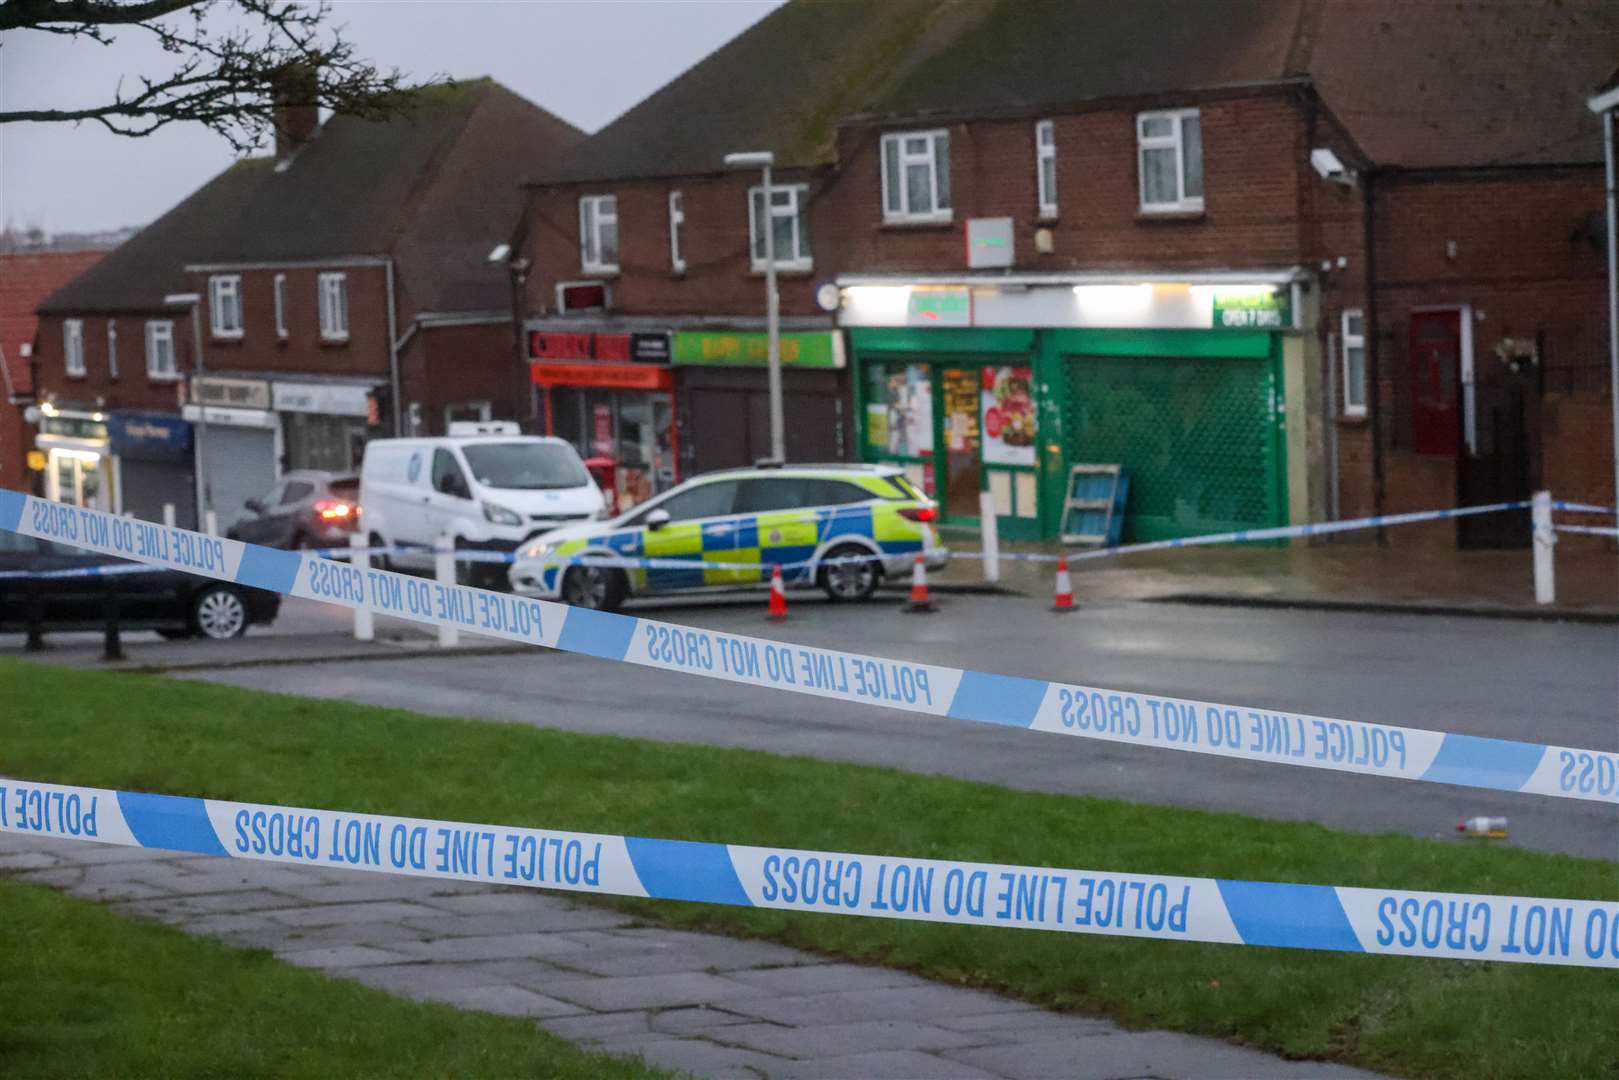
1140,719
1583,508
1590,530
1401,922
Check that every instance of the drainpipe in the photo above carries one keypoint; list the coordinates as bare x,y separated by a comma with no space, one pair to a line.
394,345
1374,367
1613,285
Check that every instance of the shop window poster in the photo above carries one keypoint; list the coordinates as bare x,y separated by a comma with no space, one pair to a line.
908,420
1006,403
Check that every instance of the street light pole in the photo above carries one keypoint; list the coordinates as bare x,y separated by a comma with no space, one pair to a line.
764,160
198,449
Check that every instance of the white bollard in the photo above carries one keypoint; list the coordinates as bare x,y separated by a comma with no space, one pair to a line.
168,515
365,623
210,523
1544,536
991,529
444,570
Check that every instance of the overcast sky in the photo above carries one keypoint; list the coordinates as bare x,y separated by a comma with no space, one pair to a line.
585,60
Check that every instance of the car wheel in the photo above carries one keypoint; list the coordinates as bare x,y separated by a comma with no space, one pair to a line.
482,575
849,573
381,562
596,587
219,613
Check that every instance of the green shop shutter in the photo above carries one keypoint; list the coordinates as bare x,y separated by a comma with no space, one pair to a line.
1200,437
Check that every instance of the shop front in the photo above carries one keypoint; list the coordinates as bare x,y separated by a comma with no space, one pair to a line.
725,397
238,440
325,424
78,462
612,395
999,388
154,453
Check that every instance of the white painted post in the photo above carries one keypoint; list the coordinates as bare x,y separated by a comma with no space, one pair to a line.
210,523
992,536
365,623
168,515
444,564
1540,517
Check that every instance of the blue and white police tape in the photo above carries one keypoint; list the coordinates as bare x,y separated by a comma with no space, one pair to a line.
104,570
1515,929
1191,725
1583,508
1590,530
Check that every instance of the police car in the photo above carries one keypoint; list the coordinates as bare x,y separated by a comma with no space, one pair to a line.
837,526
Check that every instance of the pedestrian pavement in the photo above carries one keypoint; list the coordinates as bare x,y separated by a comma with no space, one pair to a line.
711,1006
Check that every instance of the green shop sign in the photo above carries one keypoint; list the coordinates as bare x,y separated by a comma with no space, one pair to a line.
1253,310
818,349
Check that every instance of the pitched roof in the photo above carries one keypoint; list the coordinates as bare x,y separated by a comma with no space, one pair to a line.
25,280
359,188
1418,82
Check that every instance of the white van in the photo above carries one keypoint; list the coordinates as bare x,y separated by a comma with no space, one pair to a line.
485,484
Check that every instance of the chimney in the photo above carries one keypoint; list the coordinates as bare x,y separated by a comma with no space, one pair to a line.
296,113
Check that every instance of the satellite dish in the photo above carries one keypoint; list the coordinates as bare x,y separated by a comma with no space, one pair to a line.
829,296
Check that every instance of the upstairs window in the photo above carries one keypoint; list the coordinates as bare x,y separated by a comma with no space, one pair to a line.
160,363
598,234
1170,148
677,218
1045,162
112,349
334,307
916,176
225,305
1354,363
281,305
73,347
789,222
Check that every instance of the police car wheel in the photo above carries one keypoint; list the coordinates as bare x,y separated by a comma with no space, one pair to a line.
595,587
850,574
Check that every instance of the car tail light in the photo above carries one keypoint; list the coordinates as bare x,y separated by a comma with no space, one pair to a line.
920,513
336,510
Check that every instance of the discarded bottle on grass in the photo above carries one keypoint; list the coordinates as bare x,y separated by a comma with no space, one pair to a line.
1493,827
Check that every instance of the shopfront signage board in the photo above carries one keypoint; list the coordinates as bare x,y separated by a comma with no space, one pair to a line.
231,393
989,243
815,349
1252,310
332,399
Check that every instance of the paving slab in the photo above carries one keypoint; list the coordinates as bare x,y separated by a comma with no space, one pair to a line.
177,908
494,947
608,994
338,957
1163,1055
889,1003
832,1040
886,1065
594,1028
334,914
684,1020
509,1001
551,920
419,980
708,1059
825,977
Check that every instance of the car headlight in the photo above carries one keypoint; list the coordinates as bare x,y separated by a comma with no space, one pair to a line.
496,514
537,551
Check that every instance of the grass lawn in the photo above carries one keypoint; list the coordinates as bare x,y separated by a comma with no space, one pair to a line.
90,994
1427,1018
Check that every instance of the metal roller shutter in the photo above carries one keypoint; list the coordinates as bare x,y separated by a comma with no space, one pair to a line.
241,466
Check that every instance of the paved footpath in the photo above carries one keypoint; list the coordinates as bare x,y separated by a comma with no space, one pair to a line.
711,1006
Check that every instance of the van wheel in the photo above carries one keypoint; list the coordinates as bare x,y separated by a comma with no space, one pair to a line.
381,562
599,588
850,573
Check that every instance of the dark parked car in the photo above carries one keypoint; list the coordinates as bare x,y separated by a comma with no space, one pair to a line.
305,509
173,603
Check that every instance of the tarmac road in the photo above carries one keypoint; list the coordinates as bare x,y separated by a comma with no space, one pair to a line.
1536,681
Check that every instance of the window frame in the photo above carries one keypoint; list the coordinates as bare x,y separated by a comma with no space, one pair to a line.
279,291
1045,149
1347,341
798,213
1176,141
902,158
73,348
112,348
219,286
677,220
332,294
161,329
590,234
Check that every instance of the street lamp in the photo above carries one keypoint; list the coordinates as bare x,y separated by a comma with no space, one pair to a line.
198,451
763,160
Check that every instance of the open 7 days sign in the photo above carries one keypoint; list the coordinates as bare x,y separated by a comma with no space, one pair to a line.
1252,309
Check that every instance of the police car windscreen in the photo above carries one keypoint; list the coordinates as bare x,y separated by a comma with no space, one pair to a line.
526,466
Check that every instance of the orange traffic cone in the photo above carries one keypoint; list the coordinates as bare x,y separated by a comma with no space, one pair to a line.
1065,588
778,597
921,601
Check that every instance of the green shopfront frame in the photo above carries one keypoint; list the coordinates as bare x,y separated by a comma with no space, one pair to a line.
1196,415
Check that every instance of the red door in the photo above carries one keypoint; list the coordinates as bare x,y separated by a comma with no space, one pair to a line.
1436,375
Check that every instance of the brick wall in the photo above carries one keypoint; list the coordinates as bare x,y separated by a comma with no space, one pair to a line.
447,365
132,388
303,350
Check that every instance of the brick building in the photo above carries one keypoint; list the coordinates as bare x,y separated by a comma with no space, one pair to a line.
1220,245
26,278
295,306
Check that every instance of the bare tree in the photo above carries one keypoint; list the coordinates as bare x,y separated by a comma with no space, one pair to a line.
222,78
